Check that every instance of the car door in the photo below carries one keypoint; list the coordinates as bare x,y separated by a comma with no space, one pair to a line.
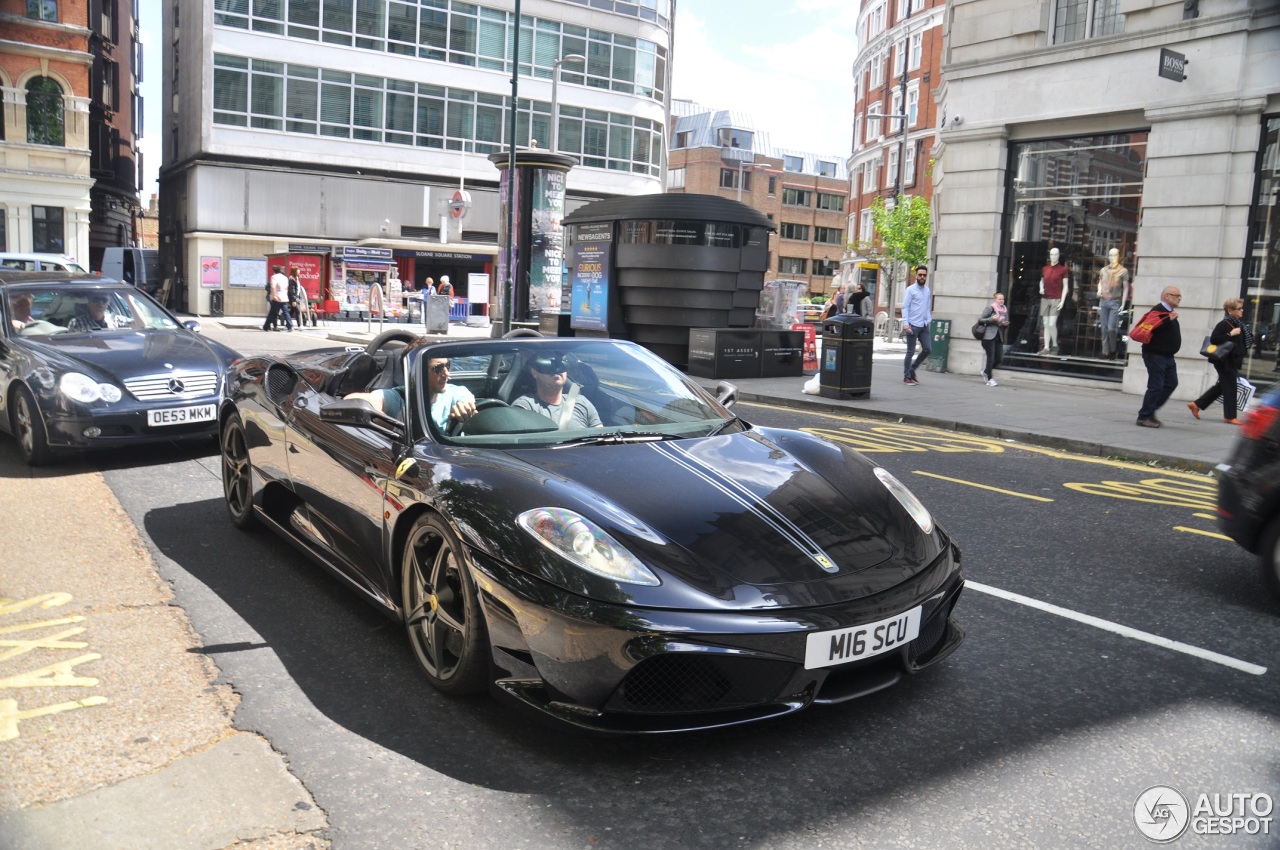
340,474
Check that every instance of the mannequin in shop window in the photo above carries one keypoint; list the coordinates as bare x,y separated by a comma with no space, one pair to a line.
1055,283
1113,289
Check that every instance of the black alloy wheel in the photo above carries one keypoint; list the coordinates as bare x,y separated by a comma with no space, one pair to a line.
237,474
27,426
442,613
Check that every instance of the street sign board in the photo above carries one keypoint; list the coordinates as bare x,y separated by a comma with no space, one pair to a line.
1173,66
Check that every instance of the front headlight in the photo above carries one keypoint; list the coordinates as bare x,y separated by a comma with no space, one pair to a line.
583,543
85,390
907,499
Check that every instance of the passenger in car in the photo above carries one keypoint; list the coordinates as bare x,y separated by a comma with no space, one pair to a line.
96,317
571,410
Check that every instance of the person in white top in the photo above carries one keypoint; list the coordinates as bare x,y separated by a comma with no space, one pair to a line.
279,301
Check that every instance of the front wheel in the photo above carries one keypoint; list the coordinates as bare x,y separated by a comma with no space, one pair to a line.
442,613
237,474
27,426
1269,555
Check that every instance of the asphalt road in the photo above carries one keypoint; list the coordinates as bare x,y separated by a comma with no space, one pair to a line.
1114,643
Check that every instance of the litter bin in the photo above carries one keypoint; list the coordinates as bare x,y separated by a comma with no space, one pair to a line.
436,315
940,342
847,346
215,303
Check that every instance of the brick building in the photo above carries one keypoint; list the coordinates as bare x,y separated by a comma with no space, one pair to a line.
805,194
68,161
896,119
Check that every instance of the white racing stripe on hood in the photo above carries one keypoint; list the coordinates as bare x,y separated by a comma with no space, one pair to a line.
750,501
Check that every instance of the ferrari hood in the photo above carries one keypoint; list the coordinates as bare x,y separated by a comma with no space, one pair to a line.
124,354
743,519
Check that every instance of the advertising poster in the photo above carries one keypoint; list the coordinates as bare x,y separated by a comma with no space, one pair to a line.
810,345
310,273
211,272
508,186
546,257
589,258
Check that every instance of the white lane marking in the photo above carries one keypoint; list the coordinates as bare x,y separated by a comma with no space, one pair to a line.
1107,625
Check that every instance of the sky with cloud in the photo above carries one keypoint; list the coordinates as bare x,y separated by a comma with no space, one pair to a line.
787,64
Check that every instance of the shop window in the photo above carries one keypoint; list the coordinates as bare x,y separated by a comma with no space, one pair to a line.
1260,288
1082,196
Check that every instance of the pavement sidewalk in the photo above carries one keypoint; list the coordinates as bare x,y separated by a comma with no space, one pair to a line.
1094,419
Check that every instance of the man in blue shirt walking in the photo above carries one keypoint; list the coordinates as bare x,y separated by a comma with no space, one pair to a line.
917,312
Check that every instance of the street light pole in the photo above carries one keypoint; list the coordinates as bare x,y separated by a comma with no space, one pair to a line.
508,285
555,97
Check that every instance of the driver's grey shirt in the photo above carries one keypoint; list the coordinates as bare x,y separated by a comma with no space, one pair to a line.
584,412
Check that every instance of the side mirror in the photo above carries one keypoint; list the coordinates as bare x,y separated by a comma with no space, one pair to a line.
726,393
192,325
358,413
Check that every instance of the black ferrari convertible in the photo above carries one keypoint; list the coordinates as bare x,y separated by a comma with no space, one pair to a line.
575,524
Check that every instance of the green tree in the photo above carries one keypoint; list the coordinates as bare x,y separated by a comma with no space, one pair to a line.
902,232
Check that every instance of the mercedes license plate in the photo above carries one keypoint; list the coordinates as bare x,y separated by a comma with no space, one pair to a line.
181,415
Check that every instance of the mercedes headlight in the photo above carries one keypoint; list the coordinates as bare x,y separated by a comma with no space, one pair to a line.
583,543
86,390
907,499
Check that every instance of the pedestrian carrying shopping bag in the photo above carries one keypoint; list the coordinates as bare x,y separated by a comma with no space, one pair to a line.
1244,392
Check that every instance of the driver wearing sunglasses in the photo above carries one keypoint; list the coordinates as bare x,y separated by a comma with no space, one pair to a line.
449,402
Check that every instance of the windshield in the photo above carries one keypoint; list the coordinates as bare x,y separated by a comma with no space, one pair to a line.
567,392
35,311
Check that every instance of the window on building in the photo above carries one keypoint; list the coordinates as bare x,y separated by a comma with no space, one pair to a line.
773,186
914,54
338,104
857,132
675,178
729,179
828,235
909,166
45,112
43,10
793,164
793,265
867,230
876,70
899,57
1077,19
913,105
874,112
894,125
47,236
830,201
876,20
871,175
826,169
789,230
795,197
1260,287
825,268
891,174
684,138
732,137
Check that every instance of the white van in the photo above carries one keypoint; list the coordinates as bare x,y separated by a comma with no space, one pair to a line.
40,263
139,266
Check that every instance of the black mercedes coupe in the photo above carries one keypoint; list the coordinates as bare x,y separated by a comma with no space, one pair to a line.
574,524
90,363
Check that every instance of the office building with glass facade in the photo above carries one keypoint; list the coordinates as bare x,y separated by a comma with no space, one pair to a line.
315,126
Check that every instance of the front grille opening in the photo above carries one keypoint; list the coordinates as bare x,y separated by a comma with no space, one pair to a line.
700,682
930,633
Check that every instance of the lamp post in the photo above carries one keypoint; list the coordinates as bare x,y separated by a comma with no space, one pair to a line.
555,97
